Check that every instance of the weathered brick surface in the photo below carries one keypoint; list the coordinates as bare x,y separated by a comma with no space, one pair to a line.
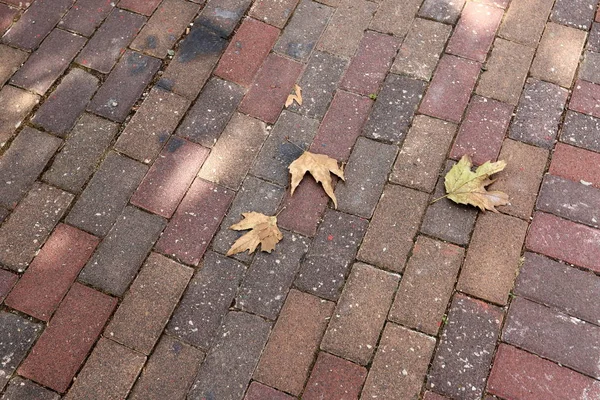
124,85
12,59
423,153
206,300
258,391
400,364
62,108
235,151
286,360
450,88
471,332
334,378
66,341
553,335
19,388
576,164
53,270
145,7
577,14
170,371
16,338
109,372
446,11
110,40
421,49
152,125
525,20
7,16
394,109
30,223
584,98
222,16
370,65
228,367
393,227
121,253
21,164
97,208
565,240
18,104
395,17
273,12
7,281
303,211
593,42
427,285
327,263
86,15
506,71
146,308
475,31
361,311
434,396
590,68
81,152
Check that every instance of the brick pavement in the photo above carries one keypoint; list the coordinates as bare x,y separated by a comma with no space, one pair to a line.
133,133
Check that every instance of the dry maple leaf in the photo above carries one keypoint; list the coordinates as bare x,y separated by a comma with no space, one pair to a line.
296,96
264,232
320,167
467,187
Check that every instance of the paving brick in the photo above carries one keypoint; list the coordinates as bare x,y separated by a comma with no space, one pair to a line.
462,359
120,255
346,28
170,371
12,59
152,125
145,7
48,62
165,27
3,214
281,147
7,16
400,364
97,208
258,391
81,152
7,281
481,133
86,15
62,108
17,335
286,360
446,11
395,16
247,51
475,31
521,178
19,104
303,211
426,285
319,82
206,301
327,263
228,367
20,388
271,87
149,303
450,89
553,335
342,125
556,237
506,71
302,32
421,49
590,68
570,200
434,396
334,378
593,42
576,164
254,195
110,40
46,281
584,98
273,12
360,314
493,257
193,62
35,23
558,54
423,153
30,223
197,219
393,227
525,20
22,162
65,343
577,14
520,375
235,151
222,16
123,86
366,174
109,373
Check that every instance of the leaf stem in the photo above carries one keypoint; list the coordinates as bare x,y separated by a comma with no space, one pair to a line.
288,140
439,198
280,211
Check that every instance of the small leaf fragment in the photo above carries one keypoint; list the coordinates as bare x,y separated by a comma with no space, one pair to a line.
264,231
320,167
297,96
